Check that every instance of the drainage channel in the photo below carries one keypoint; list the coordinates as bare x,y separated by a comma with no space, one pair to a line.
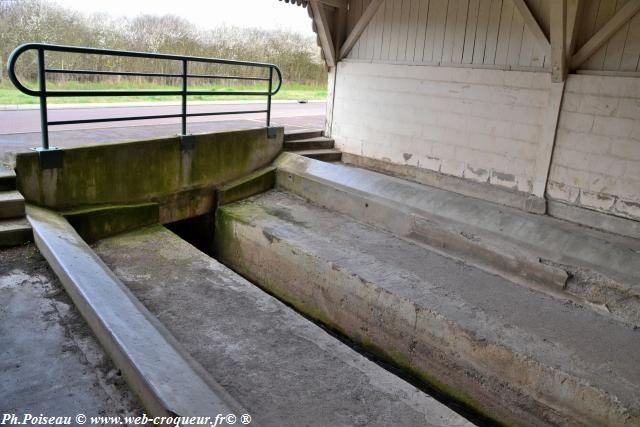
198,231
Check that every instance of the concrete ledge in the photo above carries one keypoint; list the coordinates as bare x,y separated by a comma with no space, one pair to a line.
594,219
491,193
560,258
255,183
11,204
166,379
158,170
95,223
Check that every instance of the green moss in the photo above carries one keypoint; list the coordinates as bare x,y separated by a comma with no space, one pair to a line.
255,183
142,171
95,223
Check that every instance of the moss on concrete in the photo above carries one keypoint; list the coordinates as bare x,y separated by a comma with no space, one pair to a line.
96,223
143,171
255,183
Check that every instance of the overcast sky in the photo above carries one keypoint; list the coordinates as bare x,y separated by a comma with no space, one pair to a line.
267,14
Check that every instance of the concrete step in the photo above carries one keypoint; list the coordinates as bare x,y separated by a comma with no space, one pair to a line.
162,374
325,155
290,135
14,232
11,204
7,179
285,370
554,256
320,142
519,356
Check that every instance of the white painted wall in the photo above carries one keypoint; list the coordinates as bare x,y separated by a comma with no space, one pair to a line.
596,162
480,124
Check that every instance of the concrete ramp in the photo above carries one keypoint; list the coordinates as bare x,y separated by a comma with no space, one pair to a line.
282,368
518,355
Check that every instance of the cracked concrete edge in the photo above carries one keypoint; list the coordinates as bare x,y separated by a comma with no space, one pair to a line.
166,379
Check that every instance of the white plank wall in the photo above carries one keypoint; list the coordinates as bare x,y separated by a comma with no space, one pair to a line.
480,32
622,51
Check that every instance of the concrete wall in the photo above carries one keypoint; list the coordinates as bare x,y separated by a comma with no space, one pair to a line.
181,180
479,124
596,161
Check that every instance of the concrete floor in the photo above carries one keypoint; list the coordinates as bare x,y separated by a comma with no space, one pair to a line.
50,362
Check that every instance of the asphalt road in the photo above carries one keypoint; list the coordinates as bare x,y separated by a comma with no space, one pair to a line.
20,129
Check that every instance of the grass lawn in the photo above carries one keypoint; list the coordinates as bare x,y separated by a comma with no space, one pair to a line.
10,95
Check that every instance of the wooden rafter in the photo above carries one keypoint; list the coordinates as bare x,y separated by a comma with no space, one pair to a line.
532,23
359,28
621,17
324,33
558,40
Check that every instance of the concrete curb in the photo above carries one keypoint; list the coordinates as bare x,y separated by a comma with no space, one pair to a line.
23,107
165,378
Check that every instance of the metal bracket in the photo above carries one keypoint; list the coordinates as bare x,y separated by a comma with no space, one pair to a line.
187,142
272,132
50,158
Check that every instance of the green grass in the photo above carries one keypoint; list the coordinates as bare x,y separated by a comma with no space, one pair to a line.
296,91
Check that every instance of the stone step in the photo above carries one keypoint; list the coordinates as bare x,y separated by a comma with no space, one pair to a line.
7,179
320,142
11,204
290,135
519,356
325,155
563,259
14,232
286,370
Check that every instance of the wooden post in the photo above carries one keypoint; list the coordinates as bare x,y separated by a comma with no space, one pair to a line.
558,40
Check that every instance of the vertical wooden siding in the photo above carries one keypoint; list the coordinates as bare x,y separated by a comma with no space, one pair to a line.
622,51
484,32
481,32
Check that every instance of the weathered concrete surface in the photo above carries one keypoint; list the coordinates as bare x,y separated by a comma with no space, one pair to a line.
14,232
99,222
518,355
180,180
601,268
284,369
247,186
50,362
166,380
470,188
11,204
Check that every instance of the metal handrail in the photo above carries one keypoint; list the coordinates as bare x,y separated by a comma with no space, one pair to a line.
184,92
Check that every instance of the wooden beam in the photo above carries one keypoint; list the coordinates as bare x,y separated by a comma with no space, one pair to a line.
324,33
359,28
606,32
531,23
574,10
558,28
338,4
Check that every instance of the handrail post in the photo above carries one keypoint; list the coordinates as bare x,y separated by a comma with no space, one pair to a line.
42,84
184,97
269,97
